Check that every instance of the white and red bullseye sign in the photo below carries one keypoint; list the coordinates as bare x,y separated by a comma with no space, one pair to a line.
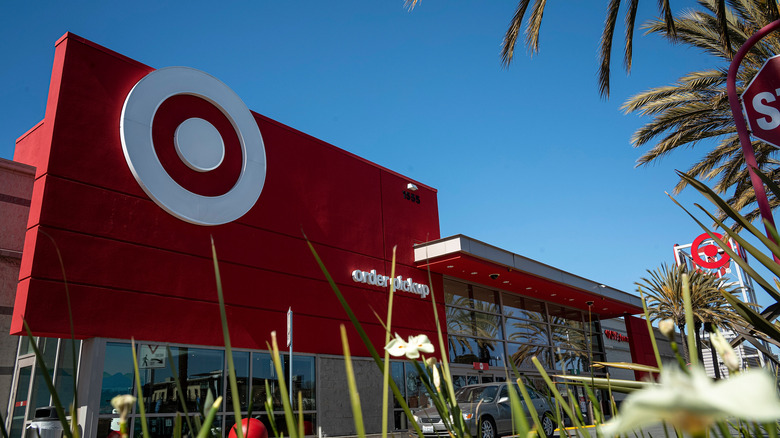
713,256
207,133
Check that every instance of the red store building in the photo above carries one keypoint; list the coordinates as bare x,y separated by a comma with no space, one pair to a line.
137,169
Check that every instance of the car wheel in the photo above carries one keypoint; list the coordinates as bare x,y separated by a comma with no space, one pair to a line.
548,424
487,429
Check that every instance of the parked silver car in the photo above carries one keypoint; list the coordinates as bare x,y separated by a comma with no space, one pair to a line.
487,411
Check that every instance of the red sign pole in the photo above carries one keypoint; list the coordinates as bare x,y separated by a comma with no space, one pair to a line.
744,137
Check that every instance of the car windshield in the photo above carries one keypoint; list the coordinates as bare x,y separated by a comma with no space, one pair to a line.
476,394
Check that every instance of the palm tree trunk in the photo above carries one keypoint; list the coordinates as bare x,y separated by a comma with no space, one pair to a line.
697,326
683,338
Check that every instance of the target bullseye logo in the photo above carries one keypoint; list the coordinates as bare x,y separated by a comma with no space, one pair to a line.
202,145
711,251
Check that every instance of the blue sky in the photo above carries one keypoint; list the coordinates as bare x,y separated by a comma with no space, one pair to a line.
529,158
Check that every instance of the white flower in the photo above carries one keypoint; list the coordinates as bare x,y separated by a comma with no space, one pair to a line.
397,347
692,401
123,404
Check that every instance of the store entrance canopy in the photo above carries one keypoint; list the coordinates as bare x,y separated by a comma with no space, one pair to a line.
474,261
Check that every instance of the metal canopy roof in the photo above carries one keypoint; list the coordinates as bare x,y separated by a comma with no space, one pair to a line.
474,261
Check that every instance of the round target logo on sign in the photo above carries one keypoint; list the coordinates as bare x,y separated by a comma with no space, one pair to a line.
193,146
711,251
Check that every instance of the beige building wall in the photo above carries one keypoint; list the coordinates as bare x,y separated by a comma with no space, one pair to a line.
16,184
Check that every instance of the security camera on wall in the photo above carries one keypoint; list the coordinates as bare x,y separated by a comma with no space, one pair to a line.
493,276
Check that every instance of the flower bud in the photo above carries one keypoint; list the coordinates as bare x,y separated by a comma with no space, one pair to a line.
666,327
725,351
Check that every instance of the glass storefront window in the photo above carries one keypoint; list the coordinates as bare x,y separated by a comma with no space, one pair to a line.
516,306
200,375
469,350
303,381
521,354
560,315
117,374
565,337
397,373
40,395
471,323
241,366
526,331
485,299
263,371
417,396
64,378
456,294
571,362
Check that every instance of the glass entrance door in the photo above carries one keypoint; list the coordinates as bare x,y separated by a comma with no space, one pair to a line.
19,411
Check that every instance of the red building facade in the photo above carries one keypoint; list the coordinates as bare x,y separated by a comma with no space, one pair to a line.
128,196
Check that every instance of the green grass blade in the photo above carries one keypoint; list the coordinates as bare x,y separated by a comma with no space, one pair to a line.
289,417
771,429
627,366
558,397
139,390
269,409
205,430
388,336
531,409
179,392
47,379
228,350
177,426
354,397
692,347
759,322
650,330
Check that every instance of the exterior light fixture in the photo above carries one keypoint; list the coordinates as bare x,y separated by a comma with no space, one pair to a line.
412,187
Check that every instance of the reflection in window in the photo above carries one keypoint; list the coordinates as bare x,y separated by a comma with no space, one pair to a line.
567,317
571,361
303,381
199,372
397,372
565,337
471,323
521,307
117,374
417,396
529,332
241,366
521,354
469,350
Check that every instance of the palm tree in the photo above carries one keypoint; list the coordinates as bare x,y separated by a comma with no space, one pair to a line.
534,24
665,299
695,109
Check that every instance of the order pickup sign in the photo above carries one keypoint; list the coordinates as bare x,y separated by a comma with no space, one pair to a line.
761,102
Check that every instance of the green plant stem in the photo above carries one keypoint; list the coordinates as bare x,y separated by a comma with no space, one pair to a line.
289,417
650,330
692,347
47,379
388,336
354,397
205,430
139,390
228,350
